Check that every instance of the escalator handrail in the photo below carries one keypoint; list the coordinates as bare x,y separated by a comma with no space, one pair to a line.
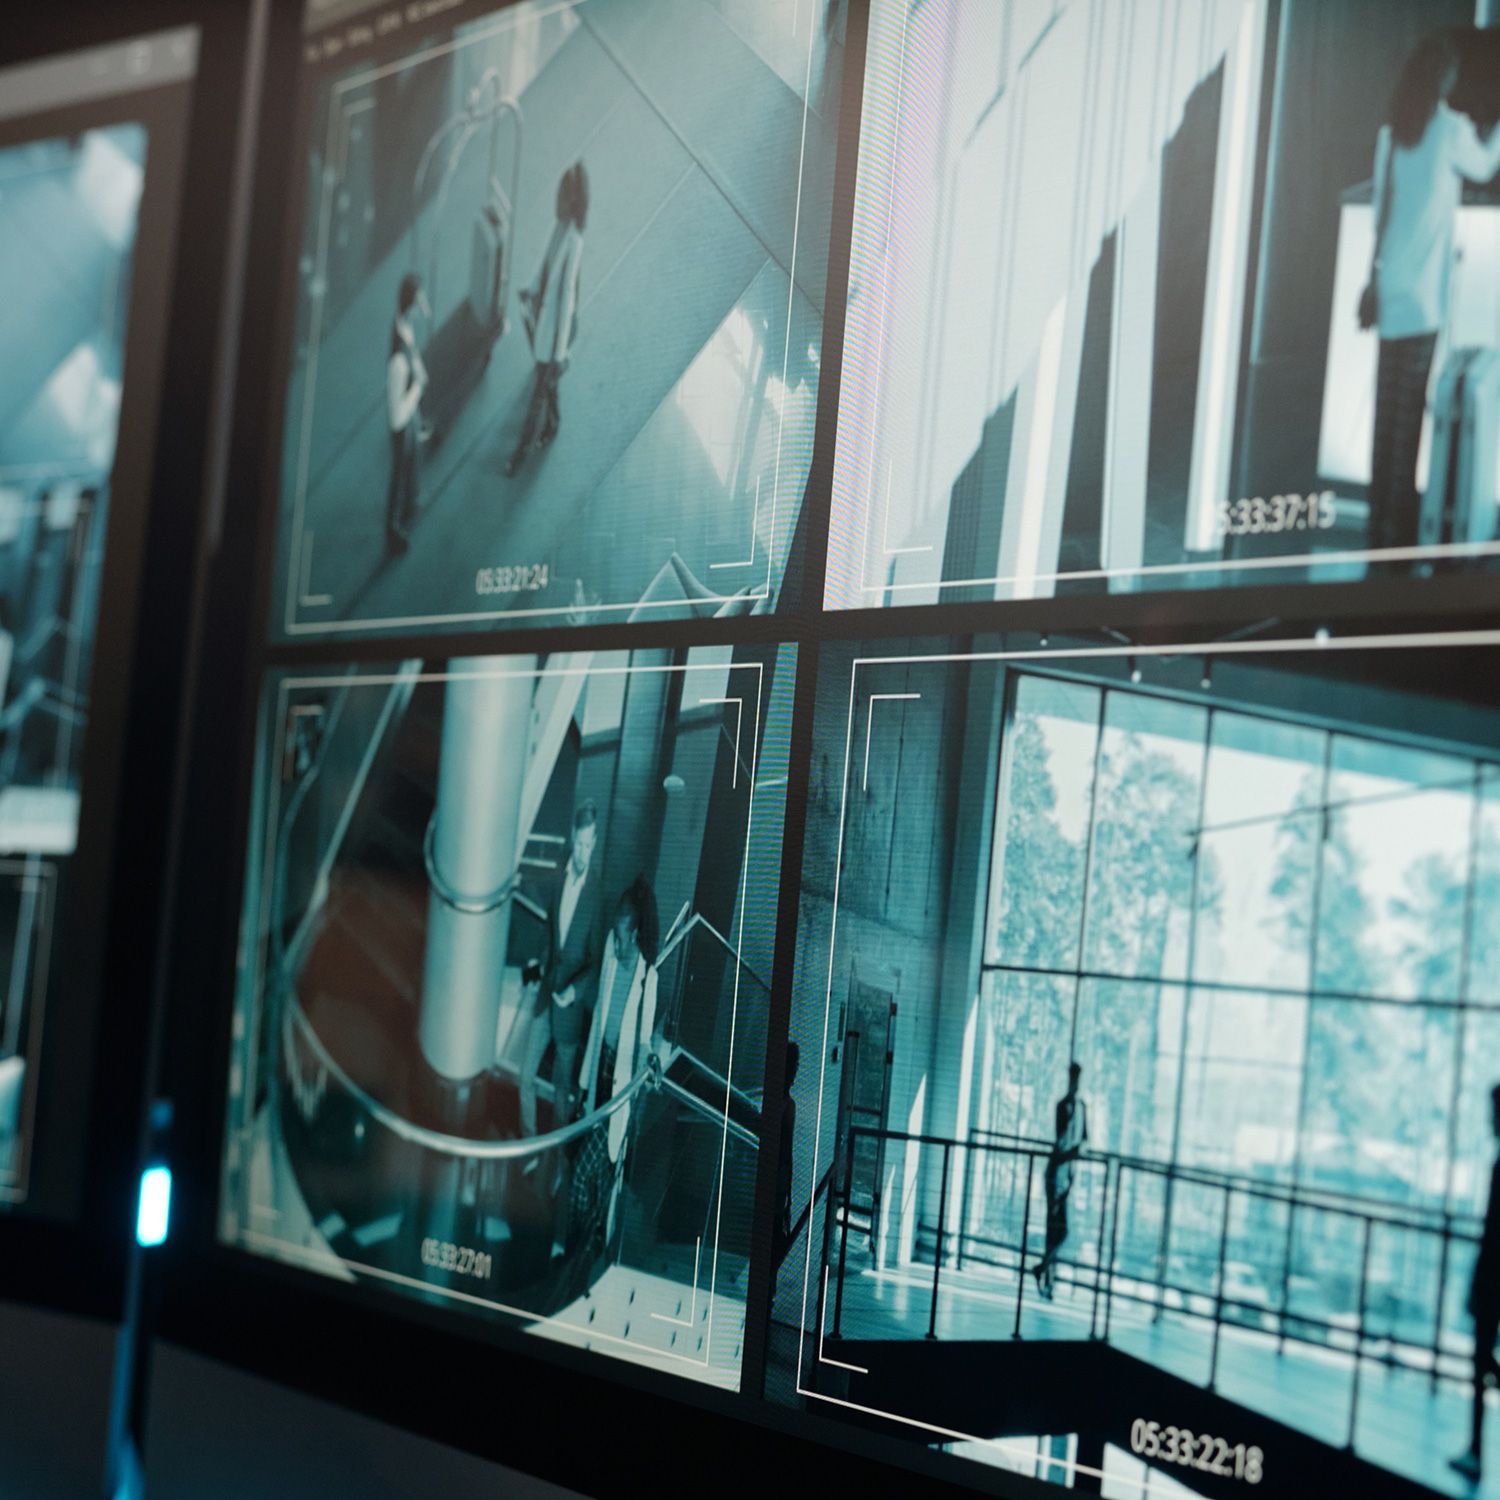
457,1145
702,1067
704,1108
699,920
651,1075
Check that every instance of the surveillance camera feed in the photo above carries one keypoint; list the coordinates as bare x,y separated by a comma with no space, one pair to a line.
555,315
68,213
500,1031
1159,296
1145,1063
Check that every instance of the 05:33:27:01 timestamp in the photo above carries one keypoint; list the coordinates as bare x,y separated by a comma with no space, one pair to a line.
1197,1450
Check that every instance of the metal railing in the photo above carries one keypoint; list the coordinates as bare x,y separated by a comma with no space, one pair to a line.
1113,1183
441,1142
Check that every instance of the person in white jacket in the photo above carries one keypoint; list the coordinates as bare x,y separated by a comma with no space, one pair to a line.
626,1030
550,309
1423,155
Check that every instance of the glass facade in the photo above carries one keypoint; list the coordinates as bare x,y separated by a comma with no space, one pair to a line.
1268,945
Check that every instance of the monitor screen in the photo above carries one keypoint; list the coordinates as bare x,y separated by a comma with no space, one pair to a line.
552,316
1142,1132
1157,297
500,1029
1046,1041
90,155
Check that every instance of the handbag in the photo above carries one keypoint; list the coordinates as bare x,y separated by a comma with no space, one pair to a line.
592,1181
1369,299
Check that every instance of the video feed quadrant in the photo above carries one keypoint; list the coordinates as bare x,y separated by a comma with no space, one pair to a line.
1108,300
1143,1036
431,1085
558,320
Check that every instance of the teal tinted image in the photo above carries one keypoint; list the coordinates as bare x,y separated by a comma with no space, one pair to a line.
557,322
500,1034
1148,1023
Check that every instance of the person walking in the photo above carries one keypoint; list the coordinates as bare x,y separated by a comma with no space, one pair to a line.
550,311
1484,1308
1072,1130
1423,154
405,385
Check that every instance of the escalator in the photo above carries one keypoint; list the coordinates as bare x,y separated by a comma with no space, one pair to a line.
399,1187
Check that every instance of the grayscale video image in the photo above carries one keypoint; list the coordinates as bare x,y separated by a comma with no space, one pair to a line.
68,212
558,318
1145,1044
500,1035
1169,296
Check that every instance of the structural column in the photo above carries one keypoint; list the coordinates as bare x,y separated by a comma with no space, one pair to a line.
476,839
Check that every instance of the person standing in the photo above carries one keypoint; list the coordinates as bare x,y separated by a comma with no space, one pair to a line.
571,967
626,1031
1072,1130
1484,1307
1422,156
624,1028
405,385
550,309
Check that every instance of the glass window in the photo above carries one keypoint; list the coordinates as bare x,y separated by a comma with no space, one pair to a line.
1128,1040
1025,1024
1278,966
1395,869
1028,1024
1378,1090
1046,795
1484,933
1474,1136
1242,1076
1140,892
1259,846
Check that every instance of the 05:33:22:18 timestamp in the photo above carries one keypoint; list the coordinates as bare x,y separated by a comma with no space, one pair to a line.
1197,1450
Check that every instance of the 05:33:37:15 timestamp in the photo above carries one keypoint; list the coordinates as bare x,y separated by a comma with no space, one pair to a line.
1258,515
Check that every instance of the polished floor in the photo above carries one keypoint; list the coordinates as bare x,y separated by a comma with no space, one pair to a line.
1401,1423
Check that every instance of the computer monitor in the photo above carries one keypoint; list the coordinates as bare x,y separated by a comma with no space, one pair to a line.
997,993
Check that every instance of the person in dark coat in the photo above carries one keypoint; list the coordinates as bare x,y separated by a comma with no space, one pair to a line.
1072,1130
1484,1307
